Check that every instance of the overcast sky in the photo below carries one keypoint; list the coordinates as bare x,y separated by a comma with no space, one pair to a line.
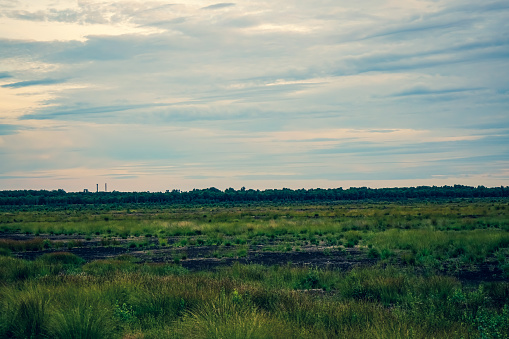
150,95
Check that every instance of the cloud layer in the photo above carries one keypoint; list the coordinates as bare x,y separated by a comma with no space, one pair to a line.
156,96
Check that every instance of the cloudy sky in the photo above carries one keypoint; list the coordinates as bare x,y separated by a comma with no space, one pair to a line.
151,95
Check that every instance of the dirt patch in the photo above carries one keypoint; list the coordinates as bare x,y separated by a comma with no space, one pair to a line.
201,258
87,253
198,258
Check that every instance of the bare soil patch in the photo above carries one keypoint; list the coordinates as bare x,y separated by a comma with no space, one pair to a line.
197,258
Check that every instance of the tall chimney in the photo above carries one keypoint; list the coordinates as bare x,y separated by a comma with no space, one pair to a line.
105,188
97,190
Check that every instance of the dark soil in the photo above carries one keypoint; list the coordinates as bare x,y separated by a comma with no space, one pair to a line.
197,258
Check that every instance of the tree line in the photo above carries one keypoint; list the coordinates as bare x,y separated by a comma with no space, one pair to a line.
213,195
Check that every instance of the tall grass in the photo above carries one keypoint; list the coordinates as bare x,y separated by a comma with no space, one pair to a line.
26,314
472,245
261,220
59,295
247,301
84,320
35,244
232,317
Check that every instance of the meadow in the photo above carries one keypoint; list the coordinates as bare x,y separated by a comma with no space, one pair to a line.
406,269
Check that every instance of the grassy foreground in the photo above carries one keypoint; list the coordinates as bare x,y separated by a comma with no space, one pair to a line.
413,289
59,296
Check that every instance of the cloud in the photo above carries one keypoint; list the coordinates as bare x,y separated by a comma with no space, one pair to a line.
261,92
84,13
10,177
479,7
219,6
40,82
422,27
8,129
381,61
424,90
61,112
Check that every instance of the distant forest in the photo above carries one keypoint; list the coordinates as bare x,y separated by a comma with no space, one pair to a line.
214,196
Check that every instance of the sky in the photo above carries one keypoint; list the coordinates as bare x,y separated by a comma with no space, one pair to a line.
155,96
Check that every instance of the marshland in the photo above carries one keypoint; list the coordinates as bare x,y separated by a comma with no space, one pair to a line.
353,269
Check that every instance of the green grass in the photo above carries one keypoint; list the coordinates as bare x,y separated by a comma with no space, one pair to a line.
407,294
430,235
262,220
249,301
432,247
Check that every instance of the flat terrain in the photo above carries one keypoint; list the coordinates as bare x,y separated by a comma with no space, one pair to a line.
202,257
346,269
470,236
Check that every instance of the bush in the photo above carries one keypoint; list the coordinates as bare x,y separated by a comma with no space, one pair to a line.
491,324
25,316
83,321
310,281
108,267
232,317
13,269
35,244
374,253
65,258
4,252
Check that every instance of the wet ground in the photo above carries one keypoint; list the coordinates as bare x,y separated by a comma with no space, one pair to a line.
196,258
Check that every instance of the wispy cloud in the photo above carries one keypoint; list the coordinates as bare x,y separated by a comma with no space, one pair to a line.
256,94
219,5
83,110
424,90
39,82
8,129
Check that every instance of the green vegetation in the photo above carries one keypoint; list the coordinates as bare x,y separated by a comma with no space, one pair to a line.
374,269
118,298
213,195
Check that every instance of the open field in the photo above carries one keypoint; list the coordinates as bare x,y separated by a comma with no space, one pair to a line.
387,270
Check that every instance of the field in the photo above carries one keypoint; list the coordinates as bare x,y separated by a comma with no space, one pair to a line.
410,269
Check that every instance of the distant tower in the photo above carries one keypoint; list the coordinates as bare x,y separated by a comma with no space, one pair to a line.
105,187
97,190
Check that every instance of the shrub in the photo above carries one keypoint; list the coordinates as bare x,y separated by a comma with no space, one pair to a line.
241,253
310,281
231,317
12,269
65,258
491,324
374,253
35,244
5,252
25,316
83,321
108,267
